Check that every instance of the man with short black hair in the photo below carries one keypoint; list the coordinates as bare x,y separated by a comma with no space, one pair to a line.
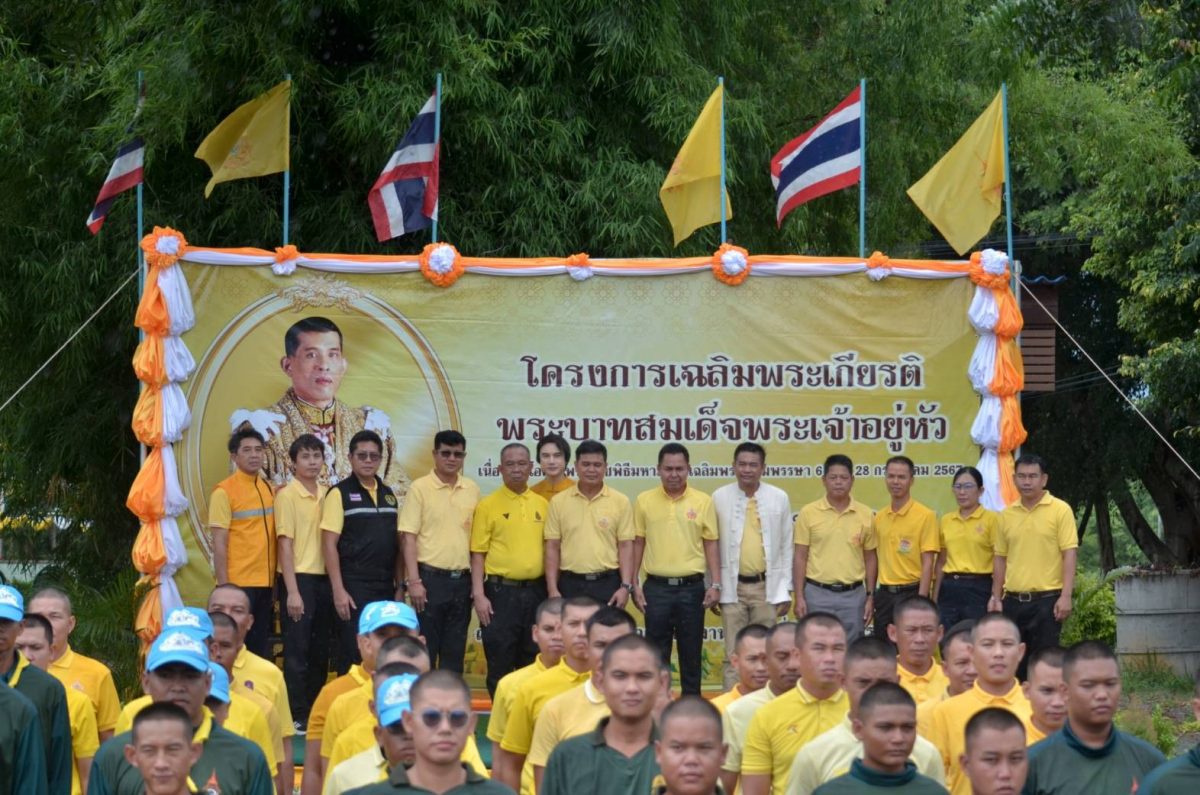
1090,754
1180,776
1046,692
617,757
886,725
436,528
958,665
754,521
907,533
916,630
749,663
241,521
676,543
553,454
689,749
162,748
995,758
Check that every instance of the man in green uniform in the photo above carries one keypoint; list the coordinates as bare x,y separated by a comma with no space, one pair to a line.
1089,754
689,749
995,759
22,758
177,672
886,724
41,688
1182,774
161,747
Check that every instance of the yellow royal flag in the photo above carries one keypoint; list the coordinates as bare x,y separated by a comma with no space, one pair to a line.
691,193
961,194
252,141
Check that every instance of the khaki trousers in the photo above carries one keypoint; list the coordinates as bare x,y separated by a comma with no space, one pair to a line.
751,607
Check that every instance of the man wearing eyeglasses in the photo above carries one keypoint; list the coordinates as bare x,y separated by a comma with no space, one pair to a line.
436,527
359,542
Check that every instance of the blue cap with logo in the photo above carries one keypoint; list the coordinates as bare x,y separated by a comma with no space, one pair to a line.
191,620
12,604
219,689
391,698
176,646
377,615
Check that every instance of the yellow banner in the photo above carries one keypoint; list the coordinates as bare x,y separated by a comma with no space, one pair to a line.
805,366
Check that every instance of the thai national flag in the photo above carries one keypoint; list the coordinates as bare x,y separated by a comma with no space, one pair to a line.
826,158
126,172
405,197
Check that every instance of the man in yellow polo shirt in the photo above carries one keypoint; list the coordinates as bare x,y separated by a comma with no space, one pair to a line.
306,603
74,670
435,524
996,652
241,519
835,552
1034,574
749,663
589,535
916,632
507,571
907,534
676,544
814,706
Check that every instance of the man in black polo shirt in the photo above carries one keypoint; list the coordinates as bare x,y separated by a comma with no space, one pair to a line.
177,672
358,537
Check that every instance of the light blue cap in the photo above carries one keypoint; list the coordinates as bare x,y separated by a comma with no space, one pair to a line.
12,604
191,620
377,615
220,683
391,698
177,646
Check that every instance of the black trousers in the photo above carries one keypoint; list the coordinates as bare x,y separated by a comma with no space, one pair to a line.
306,642
508,639
363,593
445,617
963,597
262,607
601,587
1035,619
885,605
677,612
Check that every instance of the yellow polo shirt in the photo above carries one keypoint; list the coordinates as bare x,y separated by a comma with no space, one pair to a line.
254,673
365,767
903,536
92,677
927,687
268,711
245,720
830,755
728,697
588,530
970,543
1033,542
298,517
948,722
506,691
925,712
508,528
85,737
735,721
835,541
329,693
567,715
548,492
675,529
439,515
346,710
753,556
531,697
360,736
782,727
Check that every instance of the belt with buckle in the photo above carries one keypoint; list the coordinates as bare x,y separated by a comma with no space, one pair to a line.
1032,596
965,576
675,581
496,579
453,574
591,576
912,586
752,578
836,587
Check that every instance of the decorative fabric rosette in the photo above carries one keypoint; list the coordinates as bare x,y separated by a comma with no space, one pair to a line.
441,264
877,266
163,247
286,258
731,264
579,267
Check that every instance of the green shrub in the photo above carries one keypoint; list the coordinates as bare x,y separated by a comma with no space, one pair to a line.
1094,610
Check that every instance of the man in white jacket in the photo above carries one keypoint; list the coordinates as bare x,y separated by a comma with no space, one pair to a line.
754,521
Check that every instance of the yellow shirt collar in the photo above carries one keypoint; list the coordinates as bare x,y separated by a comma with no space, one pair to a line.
903,511
1008,699
438,483
575,492
240,661
808,698
928,676
825,505
21,665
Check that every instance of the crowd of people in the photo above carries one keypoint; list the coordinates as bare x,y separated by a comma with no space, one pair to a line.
923,655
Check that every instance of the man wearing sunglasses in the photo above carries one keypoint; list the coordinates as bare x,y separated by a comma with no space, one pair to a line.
436,527
359,542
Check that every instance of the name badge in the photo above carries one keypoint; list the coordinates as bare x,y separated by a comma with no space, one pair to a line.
355,498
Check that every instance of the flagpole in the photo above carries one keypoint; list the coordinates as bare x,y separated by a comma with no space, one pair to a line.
287,174
437,142
141,258
1016,279
721,85
862,171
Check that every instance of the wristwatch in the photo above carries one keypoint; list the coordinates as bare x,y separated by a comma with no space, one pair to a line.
628,586
716,586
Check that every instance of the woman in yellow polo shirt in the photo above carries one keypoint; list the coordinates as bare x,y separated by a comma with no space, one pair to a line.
964,566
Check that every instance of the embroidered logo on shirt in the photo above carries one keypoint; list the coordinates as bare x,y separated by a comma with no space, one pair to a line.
603,523
505,515
355,498
248,684
389,499
691,514
212,786
905,546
